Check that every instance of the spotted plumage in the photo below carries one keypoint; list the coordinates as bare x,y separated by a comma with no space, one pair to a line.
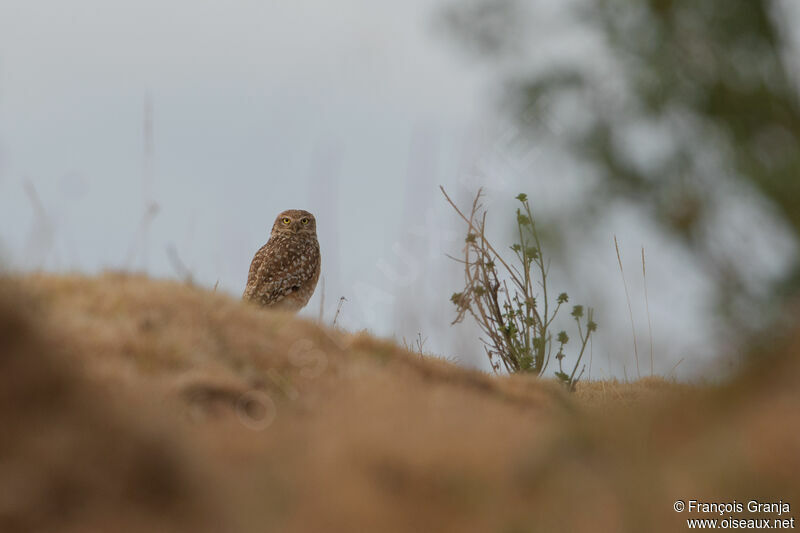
285,271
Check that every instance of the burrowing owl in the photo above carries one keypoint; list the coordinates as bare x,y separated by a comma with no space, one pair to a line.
285,271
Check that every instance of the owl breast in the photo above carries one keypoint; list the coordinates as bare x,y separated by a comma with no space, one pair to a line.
284,272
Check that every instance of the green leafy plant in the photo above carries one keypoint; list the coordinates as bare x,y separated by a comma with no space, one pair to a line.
512,302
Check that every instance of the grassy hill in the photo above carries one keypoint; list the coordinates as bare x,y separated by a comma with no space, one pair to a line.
129,404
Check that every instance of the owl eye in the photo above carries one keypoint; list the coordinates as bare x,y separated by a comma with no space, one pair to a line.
286,220
304,221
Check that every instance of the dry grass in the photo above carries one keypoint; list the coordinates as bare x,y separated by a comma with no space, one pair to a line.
136,405
611,393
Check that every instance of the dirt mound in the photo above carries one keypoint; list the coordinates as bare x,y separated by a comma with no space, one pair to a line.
135,403
71,462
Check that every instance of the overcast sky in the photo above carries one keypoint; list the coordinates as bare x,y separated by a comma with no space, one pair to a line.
355,110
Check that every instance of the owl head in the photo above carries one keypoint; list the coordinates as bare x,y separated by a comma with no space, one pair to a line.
295,222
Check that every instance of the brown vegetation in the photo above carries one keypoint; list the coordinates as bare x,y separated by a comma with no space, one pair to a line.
137,405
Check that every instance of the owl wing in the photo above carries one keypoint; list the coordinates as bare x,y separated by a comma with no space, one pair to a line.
252,275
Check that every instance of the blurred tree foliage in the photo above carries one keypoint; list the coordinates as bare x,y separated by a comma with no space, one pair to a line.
710,81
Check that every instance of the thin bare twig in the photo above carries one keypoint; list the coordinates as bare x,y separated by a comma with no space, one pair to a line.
322,301
180,268
139,242
630,308
647,306
470,223
42,235
674,368
416,346
342,300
